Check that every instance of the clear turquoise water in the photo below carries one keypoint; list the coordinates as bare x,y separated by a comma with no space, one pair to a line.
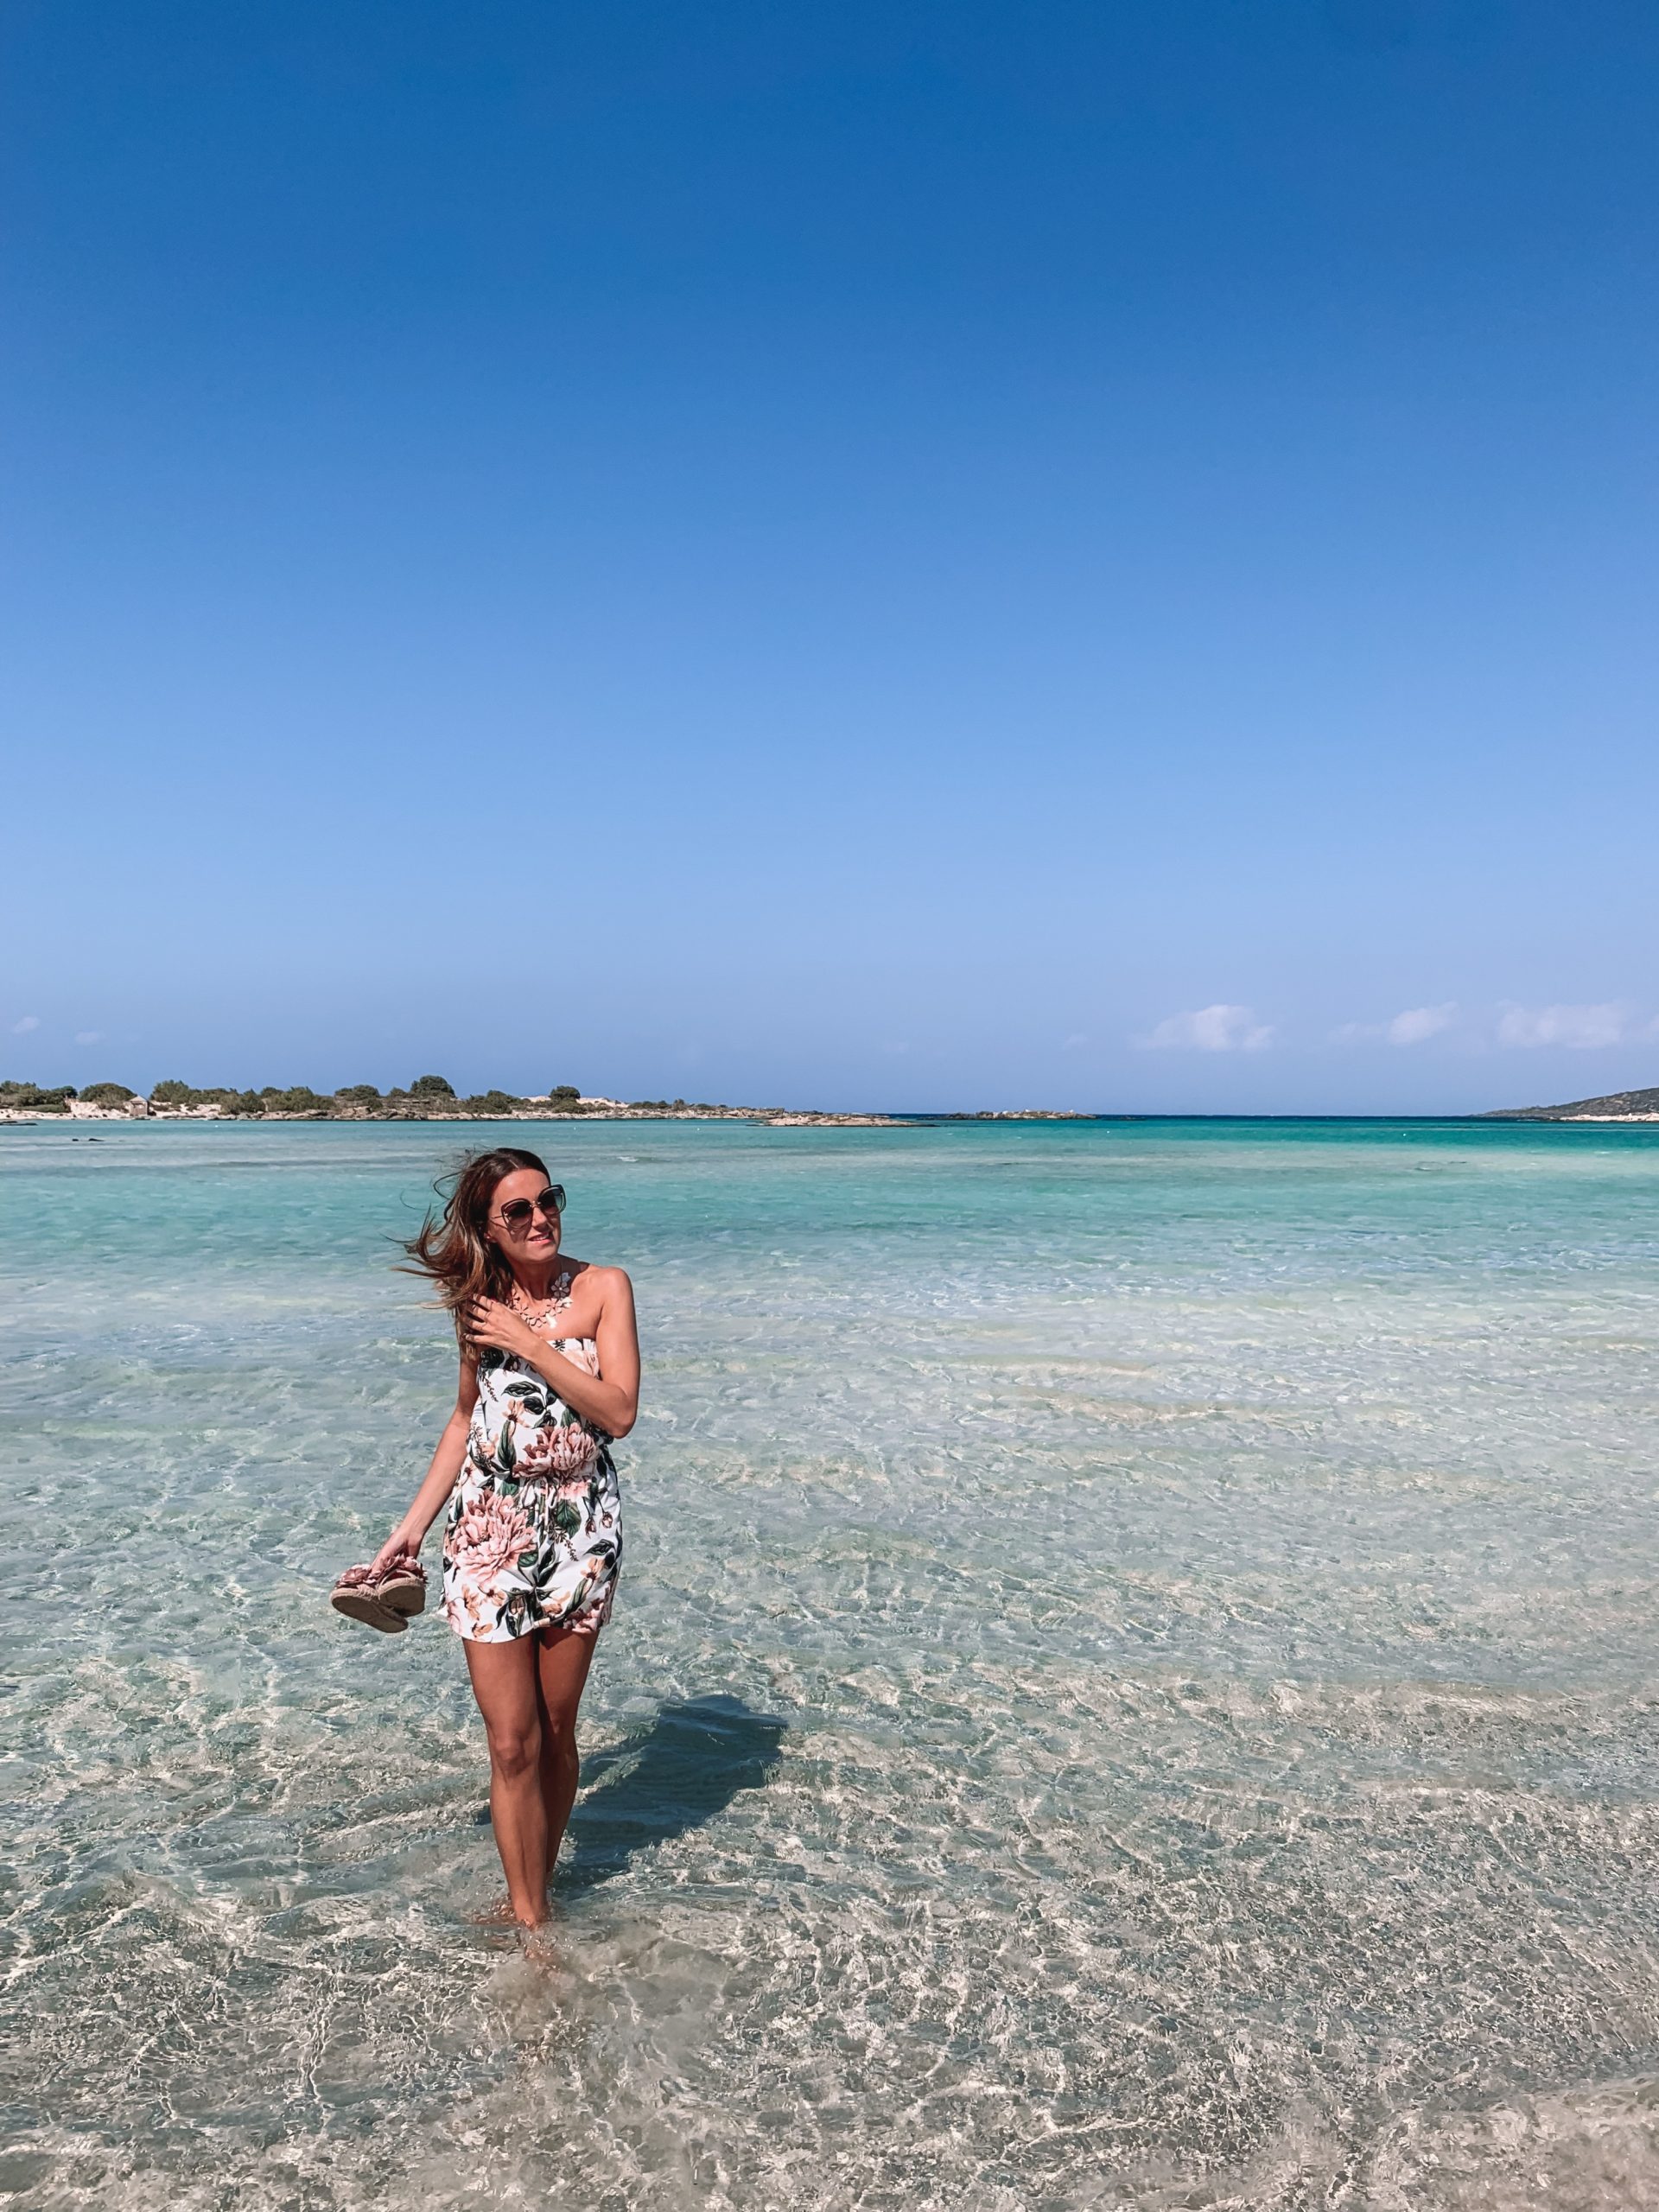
1134,1685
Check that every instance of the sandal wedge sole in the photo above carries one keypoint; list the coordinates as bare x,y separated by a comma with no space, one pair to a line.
359,1605
404,1593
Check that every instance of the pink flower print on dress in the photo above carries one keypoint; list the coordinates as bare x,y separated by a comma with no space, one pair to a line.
474,1615
555,1451
489,1539
593,1570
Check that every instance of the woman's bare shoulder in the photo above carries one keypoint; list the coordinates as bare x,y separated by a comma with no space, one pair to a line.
592,1284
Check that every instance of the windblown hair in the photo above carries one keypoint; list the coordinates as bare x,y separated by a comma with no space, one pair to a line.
454,1252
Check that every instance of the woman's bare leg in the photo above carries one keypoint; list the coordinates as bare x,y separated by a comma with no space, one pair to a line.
505,1684
563,1660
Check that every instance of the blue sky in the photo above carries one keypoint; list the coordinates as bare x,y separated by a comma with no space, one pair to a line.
941,555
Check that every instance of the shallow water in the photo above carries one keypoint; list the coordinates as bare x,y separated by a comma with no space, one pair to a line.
1133,1685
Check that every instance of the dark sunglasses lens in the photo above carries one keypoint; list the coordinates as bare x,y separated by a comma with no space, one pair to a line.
517,1213
552,1199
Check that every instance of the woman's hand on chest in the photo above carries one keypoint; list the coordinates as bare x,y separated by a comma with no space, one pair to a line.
490,1322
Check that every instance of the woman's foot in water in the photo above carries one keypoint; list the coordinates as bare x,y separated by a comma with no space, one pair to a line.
501,1914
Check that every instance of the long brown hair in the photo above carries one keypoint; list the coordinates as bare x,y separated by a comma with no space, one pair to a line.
454,1252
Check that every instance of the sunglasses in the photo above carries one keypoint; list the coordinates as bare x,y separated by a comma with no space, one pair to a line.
516,1214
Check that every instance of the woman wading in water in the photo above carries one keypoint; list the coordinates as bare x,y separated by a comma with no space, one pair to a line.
532,1542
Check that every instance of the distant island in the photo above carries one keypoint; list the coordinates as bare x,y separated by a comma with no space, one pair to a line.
431,1098
1616,1106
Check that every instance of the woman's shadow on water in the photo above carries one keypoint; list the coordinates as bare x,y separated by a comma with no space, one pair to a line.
675,1775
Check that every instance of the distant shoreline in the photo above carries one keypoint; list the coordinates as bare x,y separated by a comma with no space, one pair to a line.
433,1098
1611,1106
78,1110
38,1117
773,1118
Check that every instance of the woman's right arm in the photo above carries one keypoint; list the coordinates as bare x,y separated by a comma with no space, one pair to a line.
433,1493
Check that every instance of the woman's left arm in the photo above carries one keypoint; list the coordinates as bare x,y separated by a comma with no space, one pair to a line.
610,1398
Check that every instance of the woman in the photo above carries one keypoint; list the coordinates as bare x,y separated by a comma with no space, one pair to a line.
549,1374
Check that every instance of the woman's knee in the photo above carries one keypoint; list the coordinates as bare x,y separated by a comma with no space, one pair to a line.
515,1749
559,1739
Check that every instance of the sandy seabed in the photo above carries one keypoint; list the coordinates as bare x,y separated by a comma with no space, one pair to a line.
1133,1684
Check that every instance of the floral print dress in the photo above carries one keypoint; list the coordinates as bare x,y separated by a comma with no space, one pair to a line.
534,1535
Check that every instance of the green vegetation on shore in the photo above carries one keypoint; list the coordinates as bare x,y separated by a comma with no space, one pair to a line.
428,1098
31,1098
1616,1105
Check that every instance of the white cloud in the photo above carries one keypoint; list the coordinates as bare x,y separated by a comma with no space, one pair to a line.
21,1028
1410,1027
1580,1027
1419,1022
89,1036
1210,1029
